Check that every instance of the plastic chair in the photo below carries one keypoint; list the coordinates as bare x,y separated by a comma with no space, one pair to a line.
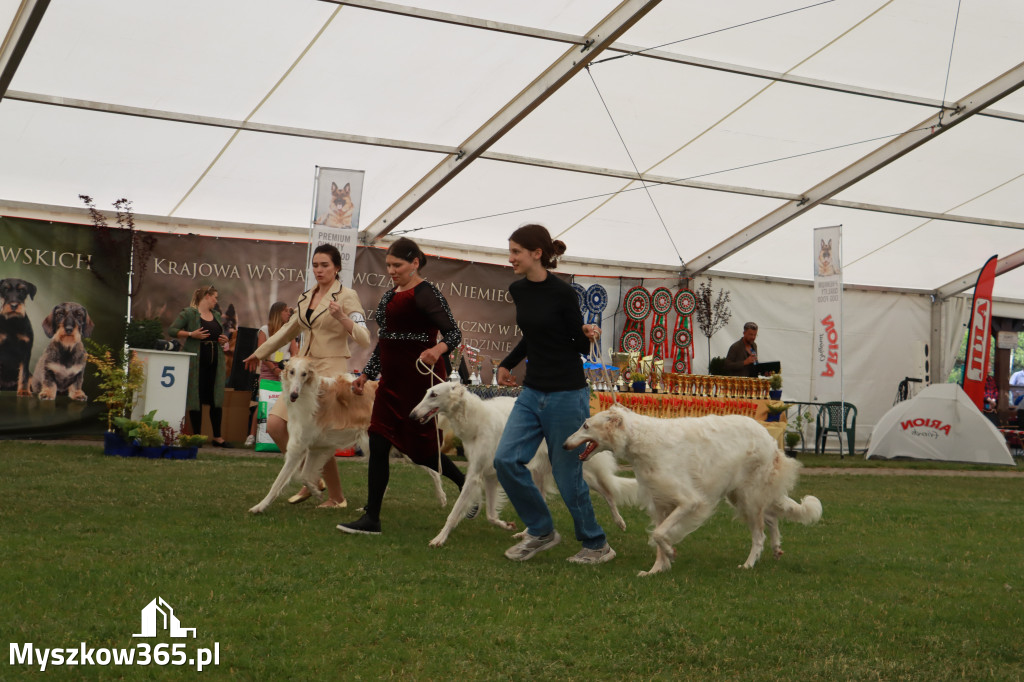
829,419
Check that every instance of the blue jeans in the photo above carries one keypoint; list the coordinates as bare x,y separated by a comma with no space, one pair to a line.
552,417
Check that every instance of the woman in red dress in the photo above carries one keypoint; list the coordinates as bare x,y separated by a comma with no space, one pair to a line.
410,318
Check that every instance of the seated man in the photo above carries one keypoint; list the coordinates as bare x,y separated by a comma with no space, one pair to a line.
742,355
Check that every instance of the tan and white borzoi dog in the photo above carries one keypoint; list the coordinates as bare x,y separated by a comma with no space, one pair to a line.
685,466
324,415
479,423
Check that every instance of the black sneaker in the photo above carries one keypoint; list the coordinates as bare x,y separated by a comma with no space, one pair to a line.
363,526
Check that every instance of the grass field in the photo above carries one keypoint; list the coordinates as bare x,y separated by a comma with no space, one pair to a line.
905,578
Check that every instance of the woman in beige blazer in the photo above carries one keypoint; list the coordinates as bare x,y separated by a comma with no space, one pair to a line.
328,316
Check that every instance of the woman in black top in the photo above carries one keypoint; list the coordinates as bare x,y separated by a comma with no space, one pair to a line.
554,402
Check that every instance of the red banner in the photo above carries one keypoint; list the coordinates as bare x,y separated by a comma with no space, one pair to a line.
979,333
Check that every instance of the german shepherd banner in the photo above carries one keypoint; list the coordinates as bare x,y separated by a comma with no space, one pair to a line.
827,350
337,197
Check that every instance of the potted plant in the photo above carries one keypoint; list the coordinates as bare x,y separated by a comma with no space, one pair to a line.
775,386
155,438
717,366
639,382
795,430
120,380
775,409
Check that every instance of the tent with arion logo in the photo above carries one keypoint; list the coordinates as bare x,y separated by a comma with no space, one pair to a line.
940,423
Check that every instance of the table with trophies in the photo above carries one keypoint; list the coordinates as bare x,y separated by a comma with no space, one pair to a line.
684,395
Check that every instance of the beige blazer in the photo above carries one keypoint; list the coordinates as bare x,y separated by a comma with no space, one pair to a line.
323,336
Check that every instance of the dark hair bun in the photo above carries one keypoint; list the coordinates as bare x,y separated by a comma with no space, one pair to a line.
559,247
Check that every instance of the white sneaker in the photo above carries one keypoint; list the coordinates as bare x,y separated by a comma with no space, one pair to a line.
530,545
593,556
250,441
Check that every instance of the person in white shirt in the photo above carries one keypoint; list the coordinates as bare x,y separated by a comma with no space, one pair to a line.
1016,387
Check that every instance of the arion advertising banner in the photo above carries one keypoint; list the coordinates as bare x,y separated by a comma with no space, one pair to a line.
60,284
827,347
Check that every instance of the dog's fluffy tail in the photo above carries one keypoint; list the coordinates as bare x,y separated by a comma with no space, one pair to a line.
807,511
627,492
786,472
603,469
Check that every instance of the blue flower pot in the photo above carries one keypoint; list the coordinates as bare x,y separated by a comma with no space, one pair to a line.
114,444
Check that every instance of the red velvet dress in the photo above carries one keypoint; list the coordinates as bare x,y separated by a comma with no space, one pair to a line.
410,322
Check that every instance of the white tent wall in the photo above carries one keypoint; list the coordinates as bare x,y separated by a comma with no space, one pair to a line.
880,333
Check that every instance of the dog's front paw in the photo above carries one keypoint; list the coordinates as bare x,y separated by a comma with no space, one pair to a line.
78,395
258,509
778,552
438,541
654,570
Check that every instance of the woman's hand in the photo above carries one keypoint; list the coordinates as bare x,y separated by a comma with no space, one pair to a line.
200,334
592,331
505,377
252,363
222,340
357,385
430,356
337,313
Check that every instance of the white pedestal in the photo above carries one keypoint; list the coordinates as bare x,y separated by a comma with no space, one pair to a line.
166,385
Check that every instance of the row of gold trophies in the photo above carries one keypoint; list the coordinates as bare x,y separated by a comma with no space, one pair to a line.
629,366
665,406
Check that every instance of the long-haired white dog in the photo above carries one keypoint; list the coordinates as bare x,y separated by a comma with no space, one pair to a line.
685,466
478,424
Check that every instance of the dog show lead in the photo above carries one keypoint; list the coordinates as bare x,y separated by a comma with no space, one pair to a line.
554,401
410,317
327,316
201,328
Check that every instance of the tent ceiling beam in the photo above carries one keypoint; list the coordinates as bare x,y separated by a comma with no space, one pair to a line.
231,124
16,42
927,130
560,72
662,55
1011,262
649,178
460,20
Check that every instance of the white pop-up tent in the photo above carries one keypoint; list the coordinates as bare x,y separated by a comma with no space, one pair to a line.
940,423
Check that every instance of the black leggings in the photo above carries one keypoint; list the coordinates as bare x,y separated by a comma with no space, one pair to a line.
379,471
195,417
207,378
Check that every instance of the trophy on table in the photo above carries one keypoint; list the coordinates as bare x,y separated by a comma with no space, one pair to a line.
456,359
494,371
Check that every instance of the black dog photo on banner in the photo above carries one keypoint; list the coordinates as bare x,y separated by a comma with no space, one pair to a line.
59,285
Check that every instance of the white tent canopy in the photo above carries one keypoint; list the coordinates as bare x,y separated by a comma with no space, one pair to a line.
471,117
702,138
939,423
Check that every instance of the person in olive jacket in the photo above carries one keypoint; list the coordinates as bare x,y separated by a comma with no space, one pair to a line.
200,329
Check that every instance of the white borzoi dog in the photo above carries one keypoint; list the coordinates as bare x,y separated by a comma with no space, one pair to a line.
324,415
479,423
685,466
